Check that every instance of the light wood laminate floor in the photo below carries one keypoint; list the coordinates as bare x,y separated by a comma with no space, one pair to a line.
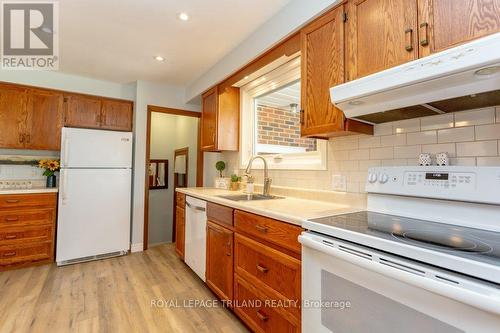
113,295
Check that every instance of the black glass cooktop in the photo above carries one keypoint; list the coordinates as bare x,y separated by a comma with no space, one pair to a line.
465,242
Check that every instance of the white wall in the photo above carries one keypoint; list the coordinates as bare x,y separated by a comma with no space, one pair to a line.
284,23
148,94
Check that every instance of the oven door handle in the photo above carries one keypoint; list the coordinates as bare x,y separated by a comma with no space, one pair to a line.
487,300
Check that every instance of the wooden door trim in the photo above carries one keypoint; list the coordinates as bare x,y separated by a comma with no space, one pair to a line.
178,152
199,166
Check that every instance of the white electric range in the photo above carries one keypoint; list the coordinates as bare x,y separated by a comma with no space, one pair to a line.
423,257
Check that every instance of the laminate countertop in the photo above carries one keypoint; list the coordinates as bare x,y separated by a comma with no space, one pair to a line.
288,209
33,190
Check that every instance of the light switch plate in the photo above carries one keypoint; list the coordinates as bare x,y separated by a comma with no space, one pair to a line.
339,182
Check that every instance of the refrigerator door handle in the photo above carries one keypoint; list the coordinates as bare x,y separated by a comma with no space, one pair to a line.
64,183
66,151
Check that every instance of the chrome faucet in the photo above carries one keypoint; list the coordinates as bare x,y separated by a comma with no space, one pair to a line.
267,180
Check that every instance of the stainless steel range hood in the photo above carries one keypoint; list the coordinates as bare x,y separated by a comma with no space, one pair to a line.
461,78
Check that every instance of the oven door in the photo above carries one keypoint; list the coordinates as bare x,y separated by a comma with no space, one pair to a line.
347,288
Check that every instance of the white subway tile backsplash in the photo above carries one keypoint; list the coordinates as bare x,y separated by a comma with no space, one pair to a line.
488,132
488,161
345,144
383,129
360,154
460,134
407,151
440,148
437,122
353,187
420,138
406,126
393,140
369,142
382,153
349,165
478,148
475,117
365,165
498,114
397,162
340,155
463,161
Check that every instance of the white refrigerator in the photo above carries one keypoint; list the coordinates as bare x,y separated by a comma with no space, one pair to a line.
94,195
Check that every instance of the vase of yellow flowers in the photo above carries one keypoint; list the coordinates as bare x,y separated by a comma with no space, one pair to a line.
50,166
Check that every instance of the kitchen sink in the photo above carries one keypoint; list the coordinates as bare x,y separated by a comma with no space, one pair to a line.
249,197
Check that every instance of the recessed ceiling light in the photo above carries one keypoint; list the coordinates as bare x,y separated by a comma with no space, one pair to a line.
183,16
159,58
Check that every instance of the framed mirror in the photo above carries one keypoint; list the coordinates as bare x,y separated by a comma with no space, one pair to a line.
158,174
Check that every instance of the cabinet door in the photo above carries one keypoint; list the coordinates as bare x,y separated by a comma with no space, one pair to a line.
220,260
82,111
44,120
209,120
380,34
322,50
447,23
13,113
180,227
116,115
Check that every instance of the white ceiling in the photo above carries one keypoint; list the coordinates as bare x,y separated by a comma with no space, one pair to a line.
116,40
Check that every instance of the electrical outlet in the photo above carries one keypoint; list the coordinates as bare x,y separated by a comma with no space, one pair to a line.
339,182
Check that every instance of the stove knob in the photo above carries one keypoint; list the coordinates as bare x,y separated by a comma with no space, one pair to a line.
383,178
372,178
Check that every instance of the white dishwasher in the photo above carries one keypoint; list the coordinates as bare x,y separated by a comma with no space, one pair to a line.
196,235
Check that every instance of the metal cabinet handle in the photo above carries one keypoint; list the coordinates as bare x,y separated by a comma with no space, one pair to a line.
262,316
409,39
11,219
12,200
228,247
21,138
10,236
424,40
28,138
10,254
261,228
262,268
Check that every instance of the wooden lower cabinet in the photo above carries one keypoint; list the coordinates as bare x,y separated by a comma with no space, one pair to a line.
254,262
219,269
27,229
180,228
258,312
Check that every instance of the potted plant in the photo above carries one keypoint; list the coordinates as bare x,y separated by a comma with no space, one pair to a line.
220,166
51,167
235,182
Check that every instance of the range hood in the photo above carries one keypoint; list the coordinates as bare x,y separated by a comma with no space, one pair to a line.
460,78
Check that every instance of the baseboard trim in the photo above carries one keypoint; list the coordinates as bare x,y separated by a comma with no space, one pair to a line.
137,247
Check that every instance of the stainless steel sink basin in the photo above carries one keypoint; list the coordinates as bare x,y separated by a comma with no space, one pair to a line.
248,197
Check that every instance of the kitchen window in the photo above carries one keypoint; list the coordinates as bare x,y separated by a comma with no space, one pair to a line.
270,124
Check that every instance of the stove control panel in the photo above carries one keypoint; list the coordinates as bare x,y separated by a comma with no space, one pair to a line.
476,184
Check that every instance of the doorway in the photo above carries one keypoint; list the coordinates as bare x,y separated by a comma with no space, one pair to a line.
173,159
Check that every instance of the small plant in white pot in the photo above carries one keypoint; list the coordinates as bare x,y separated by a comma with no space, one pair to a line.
221,182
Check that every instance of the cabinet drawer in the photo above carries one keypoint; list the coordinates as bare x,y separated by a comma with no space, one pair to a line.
272,231
9,218
255,310
12,235
180,200
268,267
11,254
9,201
220,214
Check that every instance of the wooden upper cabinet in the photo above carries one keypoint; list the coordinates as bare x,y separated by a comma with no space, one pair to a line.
448,23
322,67
381,34
44,120
220,260
116,115
13,102
220,119
98,112
82,111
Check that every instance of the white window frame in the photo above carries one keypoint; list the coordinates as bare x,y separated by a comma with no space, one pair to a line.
281,76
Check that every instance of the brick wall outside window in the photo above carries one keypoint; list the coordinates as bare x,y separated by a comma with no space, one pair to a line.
281,127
